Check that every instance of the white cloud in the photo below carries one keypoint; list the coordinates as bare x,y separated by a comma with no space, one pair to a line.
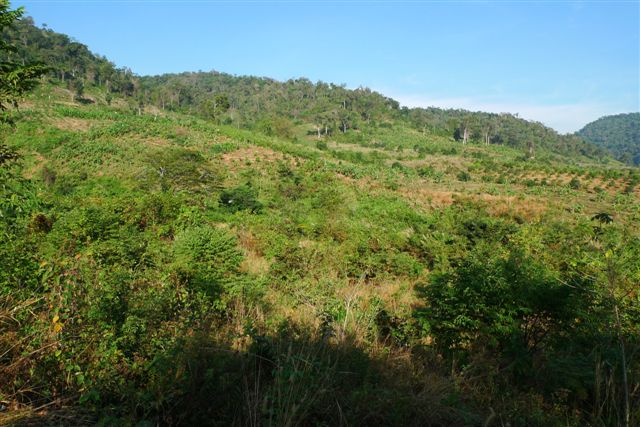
564,118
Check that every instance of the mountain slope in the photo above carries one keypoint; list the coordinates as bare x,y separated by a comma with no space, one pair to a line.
169,266
619,134
221,267
275,107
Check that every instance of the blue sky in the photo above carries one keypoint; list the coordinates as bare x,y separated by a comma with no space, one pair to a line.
563,63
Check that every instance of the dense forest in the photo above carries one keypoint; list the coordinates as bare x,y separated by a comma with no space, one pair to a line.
209,250
619,134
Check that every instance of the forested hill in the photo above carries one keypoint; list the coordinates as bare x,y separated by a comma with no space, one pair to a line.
620,134
341,261
68,60
275,107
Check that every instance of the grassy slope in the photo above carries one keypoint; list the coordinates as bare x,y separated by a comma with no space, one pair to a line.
336,237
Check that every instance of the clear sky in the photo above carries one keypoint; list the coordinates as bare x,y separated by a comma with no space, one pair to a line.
563,63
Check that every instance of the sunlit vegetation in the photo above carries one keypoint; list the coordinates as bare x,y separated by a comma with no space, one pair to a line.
620,134
167,267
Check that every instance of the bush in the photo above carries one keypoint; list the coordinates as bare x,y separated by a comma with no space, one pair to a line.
495,297
240,198
431,173
575,183
321,145
48,176
464,176
207,258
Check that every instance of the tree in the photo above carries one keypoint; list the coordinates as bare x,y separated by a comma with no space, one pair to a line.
15,79
215,106
77,87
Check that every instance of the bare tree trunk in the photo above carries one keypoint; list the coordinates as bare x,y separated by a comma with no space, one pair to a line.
465,136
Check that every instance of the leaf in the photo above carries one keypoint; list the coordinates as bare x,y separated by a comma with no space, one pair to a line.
56,318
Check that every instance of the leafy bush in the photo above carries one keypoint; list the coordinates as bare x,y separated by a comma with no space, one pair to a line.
431,173
322,145
207,258
506,298
464,176
575,183
240,198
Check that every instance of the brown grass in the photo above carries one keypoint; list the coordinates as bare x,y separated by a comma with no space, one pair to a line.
254,261
155,142
73,124
252,154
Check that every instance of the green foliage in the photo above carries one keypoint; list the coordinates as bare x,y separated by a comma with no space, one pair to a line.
207,258
322,145
392,277
276,126
619,134
464,176
66,60
575,183
497,300
240,198
16,79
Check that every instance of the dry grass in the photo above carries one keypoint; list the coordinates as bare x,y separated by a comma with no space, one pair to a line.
428,197
254,262
52,414
252,154
73,124
528,208
155,142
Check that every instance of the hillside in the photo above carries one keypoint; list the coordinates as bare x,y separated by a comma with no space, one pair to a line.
175,254
619,134
145,229
274,107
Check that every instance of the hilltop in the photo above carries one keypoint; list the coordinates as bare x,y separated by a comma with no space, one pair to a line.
619,134
274,107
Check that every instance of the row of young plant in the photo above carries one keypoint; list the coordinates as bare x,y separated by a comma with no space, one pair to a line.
132,298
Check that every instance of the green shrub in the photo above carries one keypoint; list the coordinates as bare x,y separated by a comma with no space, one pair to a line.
464,176
322,145
575,183
240,198
207,258
431,173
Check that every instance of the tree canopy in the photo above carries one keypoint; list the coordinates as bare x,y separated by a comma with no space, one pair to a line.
253,102
15,78
619,134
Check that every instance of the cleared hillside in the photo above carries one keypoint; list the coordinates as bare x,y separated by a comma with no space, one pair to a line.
274,107
172,269
185,264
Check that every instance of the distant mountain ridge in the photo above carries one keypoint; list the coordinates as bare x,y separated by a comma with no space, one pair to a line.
618,133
